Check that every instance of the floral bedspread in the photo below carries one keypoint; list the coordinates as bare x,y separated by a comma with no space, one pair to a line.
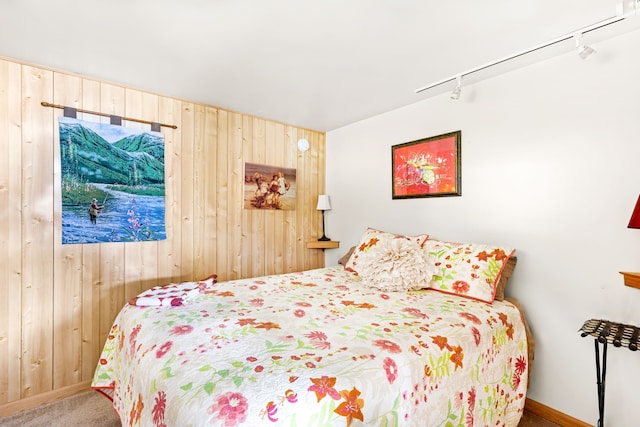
317,348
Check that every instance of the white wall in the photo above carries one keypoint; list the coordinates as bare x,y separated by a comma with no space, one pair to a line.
550,166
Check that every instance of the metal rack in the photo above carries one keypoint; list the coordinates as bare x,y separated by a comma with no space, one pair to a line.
605,332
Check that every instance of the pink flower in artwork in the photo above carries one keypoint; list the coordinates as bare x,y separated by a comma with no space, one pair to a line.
159,407
460,287
470,316
324,386
471,399
272,410
476,335
132,340
469,420
134,334
291,396
415,312
164,349
521,365
231,408
181,330
391,369
299,313
316,335
319,340
322,345
515,382
256,302
390,346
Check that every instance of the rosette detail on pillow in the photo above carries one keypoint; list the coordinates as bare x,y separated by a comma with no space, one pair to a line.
366,251
400,265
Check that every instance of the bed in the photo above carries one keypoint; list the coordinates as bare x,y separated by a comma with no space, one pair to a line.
325,347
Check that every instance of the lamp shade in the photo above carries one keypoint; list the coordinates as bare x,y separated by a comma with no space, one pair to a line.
634,222
324,204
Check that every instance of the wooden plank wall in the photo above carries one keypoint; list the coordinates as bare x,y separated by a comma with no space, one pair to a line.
57,302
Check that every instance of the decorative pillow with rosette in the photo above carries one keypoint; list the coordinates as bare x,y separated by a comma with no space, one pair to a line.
399,265
367,249
467,269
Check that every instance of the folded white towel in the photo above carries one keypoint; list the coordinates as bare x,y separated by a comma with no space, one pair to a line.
173,294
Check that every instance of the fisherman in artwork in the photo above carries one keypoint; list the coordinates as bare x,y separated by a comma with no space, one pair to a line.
94,210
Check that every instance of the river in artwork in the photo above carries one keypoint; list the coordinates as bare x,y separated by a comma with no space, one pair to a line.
124,218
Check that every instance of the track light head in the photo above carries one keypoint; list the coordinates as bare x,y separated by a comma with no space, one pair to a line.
455,94
584,51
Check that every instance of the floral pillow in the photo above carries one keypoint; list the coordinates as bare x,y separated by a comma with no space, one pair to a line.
468,269
401,265
507,271
368,247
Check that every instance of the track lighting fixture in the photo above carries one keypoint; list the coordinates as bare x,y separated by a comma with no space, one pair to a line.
584,51
455,94
626,9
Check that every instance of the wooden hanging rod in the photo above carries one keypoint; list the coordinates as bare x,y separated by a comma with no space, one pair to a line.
80,110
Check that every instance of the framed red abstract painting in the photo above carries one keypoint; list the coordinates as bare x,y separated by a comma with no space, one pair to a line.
427,167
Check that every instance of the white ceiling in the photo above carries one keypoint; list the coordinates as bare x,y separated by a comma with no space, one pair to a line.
318,64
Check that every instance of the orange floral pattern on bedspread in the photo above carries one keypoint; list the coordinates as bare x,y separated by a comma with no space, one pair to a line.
317,348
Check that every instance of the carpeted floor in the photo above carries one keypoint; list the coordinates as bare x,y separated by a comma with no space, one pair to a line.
93,409
82,410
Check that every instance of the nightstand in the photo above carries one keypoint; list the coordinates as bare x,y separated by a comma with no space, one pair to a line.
631,279
323,244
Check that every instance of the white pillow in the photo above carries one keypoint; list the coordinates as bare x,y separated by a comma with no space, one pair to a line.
399,265
367,247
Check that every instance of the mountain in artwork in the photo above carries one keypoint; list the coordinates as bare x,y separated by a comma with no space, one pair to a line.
133,160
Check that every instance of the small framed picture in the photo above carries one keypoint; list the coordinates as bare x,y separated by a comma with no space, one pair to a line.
427,167
269,187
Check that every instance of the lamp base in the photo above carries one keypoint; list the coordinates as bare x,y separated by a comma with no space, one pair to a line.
324,239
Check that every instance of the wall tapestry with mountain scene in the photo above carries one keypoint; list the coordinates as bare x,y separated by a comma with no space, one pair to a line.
112,183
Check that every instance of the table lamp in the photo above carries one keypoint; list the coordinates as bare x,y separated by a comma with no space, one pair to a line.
324,204
634,222
633,279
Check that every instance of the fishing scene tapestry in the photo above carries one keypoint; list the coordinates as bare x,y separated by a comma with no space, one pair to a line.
113,183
